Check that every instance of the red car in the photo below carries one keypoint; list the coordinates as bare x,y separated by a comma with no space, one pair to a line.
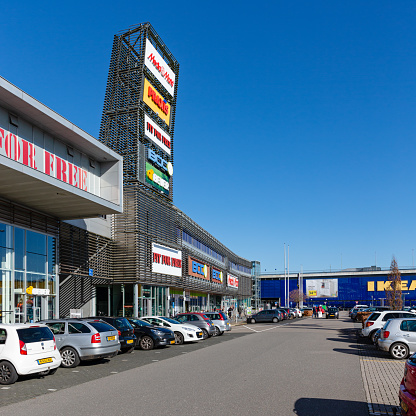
407,392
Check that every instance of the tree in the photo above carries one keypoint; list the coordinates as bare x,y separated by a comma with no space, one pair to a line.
393,290
295,296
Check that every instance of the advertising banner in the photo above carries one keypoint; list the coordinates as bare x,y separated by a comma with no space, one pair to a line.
157,179
198,269
217,276
322,288
160,162
166,260
156,102
159,68
232,281
156,134
35,157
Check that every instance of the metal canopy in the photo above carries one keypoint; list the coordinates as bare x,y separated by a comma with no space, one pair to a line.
40,192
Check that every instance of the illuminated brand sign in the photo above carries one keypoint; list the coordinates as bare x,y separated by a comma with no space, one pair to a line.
159,161
217,276
198,269
232,281
35,157
386,285
166,260
157,179
159,68
156,102
154,133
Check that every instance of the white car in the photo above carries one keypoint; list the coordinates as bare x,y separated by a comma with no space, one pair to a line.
27,349
183,332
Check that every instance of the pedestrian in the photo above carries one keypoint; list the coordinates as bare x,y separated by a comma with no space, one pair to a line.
230,312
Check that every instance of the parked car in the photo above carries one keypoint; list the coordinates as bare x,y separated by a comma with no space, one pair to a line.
27,349
332,313
355,315
220,321
407,390
81,340
356,307
198,319
183,333
150,336
377,320
125,331
267,315
398,337
285,314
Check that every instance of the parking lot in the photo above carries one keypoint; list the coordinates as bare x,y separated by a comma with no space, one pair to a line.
329,350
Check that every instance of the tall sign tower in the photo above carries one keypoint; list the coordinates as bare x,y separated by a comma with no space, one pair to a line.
138,118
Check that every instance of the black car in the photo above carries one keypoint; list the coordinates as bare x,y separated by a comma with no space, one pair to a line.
268,315
150,336
332,313
125,331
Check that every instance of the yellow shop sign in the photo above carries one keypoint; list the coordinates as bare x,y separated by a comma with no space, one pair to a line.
382,286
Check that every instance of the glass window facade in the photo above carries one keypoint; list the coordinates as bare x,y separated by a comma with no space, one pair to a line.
27,260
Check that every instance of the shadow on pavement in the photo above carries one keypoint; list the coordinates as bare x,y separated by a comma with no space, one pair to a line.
329,407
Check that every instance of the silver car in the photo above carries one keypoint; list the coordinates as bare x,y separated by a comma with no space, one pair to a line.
398,337
79,340
220,321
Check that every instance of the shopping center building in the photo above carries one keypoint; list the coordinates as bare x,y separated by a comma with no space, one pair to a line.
343,288
89,226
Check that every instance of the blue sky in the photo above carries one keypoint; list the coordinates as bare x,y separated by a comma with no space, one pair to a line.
295,121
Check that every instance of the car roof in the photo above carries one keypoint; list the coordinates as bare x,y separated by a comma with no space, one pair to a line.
20,326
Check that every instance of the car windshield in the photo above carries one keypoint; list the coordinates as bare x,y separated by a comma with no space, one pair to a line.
35,334
138,322
172,321
332,310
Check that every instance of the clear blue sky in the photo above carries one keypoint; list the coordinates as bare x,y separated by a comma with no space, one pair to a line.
295,120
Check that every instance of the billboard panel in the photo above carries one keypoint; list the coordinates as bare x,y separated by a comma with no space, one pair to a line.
154,133
166,260
232,281
198,269
159,68
157,179
156,101
322,288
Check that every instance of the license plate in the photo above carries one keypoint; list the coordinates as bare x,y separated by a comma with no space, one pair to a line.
172,342
112,338
129,341
199,334
404,406
45,360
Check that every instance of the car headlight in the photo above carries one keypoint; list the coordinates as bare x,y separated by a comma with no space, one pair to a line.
157,332
190,329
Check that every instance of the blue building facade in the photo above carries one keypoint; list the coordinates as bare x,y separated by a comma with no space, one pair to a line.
342,289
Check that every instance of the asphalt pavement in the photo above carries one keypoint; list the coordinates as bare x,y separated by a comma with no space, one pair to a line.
305,367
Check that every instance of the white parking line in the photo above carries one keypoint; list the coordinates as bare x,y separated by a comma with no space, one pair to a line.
255,330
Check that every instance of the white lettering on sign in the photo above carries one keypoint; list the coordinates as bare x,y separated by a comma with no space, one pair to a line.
154,133
159,68
232,281
35,157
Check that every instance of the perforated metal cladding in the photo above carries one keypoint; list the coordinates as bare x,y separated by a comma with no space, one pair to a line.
80,251
122,124
24,217
148,219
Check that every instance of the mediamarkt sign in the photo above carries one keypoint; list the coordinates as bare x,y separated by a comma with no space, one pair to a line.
232,281
159,68
35,157
154,133
166,260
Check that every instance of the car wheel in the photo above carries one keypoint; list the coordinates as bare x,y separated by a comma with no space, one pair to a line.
178,338
275,320
205,334
373,336
252,321
146,343
8,374
399,351
70,358
217,332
